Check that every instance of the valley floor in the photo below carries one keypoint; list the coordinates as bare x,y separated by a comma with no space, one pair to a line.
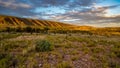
70,51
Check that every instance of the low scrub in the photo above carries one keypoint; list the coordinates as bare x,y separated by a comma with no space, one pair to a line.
7,61
64,65
44,45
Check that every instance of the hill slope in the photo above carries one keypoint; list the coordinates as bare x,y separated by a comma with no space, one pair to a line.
11,21
16,21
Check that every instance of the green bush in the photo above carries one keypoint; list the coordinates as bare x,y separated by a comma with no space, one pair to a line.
43,45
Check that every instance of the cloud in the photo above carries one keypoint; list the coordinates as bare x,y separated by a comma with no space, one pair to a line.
70,20
93,15
12,4
15,8
48,3
85,2
62,3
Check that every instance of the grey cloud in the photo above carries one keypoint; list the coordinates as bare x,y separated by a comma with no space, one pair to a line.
48,3
63,3
84,2
13,4
15,8
90,16
16,12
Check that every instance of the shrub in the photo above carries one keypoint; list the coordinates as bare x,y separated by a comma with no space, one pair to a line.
5,60
74,52
116,49
8,36
91,44
114,65
97,50
19,29
46,29
28,29
8,29
46,65
65,65
43,45
74,58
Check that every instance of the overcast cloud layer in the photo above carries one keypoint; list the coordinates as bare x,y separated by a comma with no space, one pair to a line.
103,13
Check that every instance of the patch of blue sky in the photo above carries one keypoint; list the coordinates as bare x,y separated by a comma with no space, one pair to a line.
49,10
111,11
109,2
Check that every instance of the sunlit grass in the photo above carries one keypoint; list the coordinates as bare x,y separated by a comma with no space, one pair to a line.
103,51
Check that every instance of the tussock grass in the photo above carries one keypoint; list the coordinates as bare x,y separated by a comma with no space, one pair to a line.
57,51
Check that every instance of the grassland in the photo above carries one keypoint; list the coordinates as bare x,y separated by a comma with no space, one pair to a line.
73,50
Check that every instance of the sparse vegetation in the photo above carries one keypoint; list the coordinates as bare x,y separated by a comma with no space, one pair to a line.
7,61
47,50
64,65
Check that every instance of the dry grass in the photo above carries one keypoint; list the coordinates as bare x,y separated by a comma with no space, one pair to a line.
75,51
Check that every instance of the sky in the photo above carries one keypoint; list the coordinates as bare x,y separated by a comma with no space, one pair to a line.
98,13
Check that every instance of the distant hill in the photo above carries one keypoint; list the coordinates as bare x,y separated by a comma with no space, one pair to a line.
16,21
11,21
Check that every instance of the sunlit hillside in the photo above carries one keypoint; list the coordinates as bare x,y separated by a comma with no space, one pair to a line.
11,21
